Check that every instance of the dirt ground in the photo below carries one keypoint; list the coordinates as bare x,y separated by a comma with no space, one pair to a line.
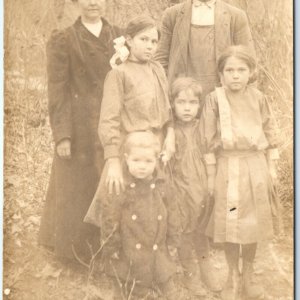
30,271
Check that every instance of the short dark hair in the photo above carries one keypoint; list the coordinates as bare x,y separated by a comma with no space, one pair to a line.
239,51
139,24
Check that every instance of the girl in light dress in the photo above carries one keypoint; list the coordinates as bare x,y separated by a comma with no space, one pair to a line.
135,98
240,141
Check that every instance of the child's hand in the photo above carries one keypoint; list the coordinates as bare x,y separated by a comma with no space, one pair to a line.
63,149
172,251
165,157
169,146
273,171
211,175
211,185
114,178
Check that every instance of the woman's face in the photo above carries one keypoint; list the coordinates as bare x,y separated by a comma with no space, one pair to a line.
91,10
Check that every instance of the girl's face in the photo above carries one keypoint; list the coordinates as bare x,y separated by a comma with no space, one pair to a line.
143,45
236,74
141,162
186,105
91,10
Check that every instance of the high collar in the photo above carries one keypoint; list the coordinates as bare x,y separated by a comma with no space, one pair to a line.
143,185
104,30
139,62
209,3
79,21
186,124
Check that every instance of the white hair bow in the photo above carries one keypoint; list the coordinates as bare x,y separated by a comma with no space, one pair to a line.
122,51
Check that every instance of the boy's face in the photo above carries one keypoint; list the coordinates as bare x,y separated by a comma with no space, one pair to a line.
186,105
141,162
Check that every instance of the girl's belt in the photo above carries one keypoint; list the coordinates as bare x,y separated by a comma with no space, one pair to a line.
239,153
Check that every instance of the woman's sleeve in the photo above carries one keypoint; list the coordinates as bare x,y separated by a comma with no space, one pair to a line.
270,128
165,41
209,135
110,115
59,100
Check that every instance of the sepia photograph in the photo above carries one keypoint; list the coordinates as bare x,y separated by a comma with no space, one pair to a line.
148,150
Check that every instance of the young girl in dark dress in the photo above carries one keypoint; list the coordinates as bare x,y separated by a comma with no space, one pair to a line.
190,180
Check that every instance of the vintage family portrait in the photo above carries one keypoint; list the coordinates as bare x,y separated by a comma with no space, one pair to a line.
148,150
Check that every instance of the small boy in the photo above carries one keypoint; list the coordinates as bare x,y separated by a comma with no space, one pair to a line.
138,225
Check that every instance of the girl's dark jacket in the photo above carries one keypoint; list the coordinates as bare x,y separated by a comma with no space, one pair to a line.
138,225
77,63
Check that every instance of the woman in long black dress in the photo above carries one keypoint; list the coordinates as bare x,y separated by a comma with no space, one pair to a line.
77,63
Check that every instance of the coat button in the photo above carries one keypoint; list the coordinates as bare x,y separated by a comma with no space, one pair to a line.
133,217
155,247
76,96
159,218
138,246
132,185
152,185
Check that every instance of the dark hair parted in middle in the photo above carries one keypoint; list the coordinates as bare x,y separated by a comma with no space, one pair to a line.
239,51
184,83
139,24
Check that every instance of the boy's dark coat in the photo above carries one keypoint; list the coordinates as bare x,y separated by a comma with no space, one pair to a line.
231,28
139,225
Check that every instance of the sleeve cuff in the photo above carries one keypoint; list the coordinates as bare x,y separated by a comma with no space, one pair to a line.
210,158
111,151
273,154
60,134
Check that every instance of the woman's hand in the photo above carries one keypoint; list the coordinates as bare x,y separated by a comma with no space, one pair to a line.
114,179
63,149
